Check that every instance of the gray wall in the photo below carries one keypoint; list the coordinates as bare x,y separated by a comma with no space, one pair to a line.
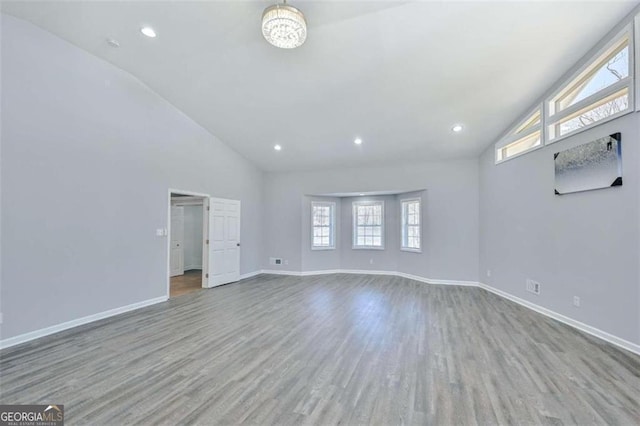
450,210
80,127
344,257
88,155
582,244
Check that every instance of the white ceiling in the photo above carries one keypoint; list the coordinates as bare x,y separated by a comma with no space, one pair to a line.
396,74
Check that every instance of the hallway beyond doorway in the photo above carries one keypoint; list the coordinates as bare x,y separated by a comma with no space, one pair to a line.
189,282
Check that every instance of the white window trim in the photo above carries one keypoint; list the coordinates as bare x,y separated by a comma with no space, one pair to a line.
511,137
354,246
628,82
402,247
332,228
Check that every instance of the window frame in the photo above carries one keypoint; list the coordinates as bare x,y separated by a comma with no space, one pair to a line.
354,225
404,225
332,225
517,134
551,121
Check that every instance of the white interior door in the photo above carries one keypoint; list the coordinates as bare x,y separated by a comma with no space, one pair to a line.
177,241
224,241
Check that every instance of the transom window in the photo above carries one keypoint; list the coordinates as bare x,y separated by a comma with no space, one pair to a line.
526,136
600,92
368,224
323,215
410,225
610,68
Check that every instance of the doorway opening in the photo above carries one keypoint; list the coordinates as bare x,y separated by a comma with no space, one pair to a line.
187,243
203,256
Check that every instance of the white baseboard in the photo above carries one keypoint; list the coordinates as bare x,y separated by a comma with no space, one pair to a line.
364,272
436,281
614,340
277,272
190,267
322,272
371,272
325,272
22,338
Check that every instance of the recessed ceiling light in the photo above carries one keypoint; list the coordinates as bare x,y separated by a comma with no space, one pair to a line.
277,147
358,141
148,31
457,128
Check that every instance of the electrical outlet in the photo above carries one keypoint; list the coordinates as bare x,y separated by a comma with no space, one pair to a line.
576,301
488,272
286,261
533,286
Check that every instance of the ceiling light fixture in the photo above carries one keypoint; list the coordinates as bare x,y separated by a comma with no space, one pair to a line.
284,26
148,31
277,147
358,141
457,128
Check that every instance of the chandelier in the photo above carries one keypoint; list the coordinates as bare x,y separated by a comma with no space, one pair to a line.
284,26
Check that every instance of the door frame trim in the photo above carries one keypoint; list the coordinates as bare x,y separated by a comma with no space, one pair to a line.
205,217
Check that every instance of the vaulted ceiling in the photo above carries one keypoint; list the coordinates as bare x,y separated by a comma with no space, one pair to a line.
397,74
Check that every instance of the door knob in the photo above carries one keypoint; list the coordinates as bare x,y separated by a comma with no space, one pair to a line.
238,244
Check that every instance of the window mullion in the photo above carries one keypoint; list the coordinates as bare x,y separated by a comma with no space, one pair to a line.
589,100
518,136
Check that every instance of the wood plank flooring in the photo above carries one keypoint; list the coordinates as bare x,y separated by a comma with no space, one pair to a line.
348,349
186,283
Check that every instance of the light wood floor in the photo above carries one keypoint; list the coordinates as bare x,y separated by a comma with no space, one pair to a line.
347,349
187,283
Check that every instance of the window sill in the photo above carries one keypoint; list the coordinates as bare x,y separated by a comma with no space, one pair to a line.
410,250
322,248
367,248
